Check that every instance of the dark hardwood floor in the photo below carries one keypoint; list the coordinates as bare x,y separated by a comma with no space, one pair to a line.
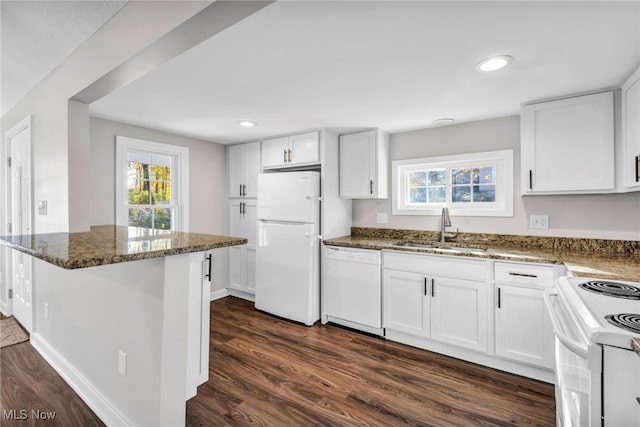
267,371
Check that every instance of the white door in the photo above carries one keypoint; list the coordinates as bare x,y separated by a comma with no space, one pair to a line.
523,328
460,312
357,164
20,218
305,148
275,152
289,196
252,168
405,302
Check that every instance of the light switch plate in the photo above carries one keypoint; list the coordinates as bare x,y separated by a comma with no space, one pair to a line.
42,207
539,221
383,218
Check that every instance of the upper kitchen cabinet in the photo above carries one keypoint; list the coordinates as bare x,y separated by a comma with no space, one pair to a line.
630,161
243,165
364,158
568,146
294,150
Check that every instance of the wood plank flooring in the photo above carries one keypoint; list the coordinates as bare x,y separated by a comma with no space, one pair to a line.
267,371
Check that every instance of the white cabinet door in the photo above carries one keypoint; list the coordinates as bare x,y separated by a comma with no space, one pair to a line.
631,132
363,165
523,330
305,148
242,223
252,168
275,152
243,167
568,145
235,169
200,268
405,302
460,312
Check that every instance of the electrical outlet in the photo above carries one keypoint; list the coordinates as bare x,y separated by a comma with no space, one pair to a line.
538,221
46,311
383,218
122,363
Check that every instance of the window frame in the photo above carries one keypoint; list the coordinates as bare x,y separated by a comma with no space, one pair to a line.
502,160
179,179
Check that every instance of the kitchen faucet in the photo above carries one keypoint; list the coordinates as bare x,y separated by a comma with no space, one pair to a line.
445,221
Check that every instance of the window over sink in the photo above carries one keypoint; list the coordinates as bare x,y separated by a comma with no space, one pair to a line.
476,184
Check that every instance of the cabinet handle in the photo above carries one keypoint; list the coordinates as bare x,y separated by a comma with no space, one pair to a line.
499,298
240,208
284,159
289,155
425,286
240,189
530,179
371,187
244,208
637,168
512,273
210,259
433,288
638,400
244,189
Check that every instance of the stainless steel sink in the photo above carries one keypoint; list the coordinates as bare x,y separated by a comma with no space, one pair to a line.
449,246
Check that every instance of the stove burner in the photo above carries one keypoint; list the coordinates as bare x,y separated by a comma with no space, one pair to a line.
612,289
628,321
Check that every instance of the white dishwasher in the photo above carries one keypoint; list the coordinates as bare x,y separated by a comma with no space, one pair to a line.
351,288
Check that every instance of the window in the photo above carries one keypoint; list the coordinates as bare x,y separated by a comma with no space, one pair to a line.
479,184
151,185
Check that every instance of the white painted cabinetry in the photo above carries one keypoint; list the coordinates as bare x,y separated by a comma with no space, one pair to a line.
441,298
406,307
364,158
294,150
242,259
460,312
630,159
523,330
568,145
243,162
200,268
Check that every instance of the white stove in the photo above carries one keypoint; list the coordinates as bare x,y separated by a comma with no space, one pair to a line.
597,372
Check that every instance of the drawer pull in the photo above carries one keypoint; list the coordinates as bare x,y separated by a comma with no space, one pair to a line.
512,273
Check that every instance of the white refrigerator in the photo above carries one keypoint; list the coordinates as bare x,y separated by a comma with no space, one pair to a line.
287,253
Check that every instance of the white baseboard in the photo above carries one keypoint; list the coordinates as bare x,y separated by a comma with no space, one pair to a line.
241,294
79,383
221,293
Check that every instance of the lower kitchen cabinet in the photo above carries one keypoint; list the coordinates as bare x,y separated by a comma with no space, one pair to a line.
242,259
523,330
460,312
405,302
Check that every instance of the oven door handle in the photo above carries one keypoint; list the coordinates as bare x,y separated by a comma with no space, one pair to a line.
576,347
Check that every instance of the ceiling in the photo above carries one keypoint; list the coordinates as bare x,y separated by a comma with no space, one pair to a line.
299,65
36,36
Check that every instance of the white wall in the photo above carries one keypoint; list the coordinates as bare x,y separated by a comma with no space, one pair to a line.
207,182
613,216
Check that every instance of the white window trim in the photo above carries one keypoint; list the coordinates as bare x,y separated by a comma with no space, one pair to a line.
503,160
123,145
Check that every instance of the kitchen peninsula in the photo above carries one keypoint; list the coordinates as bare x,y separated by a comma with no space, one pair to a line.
122,313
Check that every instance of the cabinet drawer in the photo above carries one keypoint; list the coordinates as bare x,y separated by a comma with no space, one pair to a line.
462,267
524,274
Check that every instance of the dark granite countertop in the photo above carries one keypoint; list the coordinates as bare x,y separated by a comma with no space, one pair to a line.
111,244
604,259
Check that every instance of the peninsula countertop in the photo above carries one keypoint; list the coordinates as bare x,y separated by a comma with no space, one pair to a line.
111,244
603,259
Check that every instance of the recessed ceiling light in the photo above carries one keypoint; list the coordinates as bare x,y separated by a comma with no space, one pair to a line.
443,121
494,63
247,123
